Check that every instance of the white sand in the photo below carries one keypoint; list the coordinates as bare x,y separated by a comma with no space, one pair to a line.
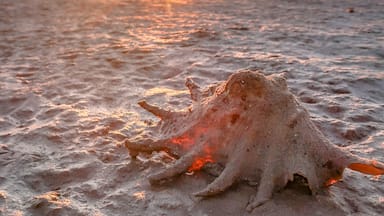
72,71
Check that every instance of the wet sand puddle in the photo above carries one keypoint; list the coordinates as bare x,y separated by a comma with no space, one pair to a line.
71,73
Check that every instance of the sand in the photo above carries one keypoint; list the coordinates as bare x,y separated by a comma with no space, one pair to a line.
72,71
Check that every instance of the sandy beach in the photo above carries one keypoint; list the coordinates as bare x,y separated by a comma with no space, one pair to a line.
72,72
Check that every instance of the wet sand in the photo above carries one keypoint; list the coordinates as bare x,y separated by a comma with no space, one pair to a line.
71,73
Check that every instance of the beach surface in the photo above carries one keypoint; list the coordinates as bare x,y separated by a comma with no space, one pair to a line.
72,72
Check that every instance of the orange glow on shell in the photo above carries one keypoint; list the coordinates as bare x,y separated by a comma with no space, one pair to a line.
366,168
331,181
187,140
199,163
183,141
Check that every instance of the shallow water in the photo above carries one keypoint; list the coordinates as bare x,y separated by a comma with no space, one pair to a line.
71,73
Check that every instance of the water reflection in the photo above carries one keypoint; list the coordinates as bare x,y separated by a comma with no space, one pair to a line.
93,26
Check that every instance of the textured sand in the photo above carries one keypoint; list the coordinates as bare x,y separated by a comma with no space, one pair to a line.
72,71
